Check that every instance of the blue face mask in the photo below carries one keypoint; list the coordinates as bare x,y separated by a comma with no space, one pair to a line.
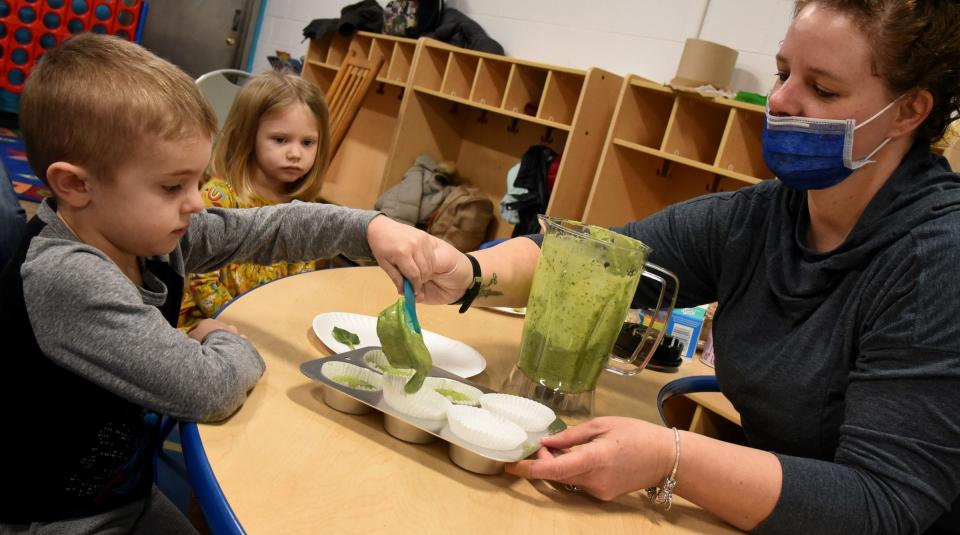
807,153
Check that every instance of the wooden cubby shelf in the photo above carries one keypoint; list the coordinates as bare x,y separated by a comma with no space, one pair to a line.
484,111
356,169
664,147
494,109
325,55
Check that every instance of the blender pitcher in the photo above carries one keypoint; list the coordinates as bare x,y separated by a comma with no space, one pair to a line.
581,291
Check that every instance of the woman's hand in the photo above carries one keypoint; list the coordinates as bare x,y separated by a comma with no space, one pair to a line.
451,278
439,273
606,457
402,251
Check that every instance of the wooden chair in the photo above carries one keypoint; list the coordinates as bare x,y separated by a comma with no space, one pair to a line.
346,94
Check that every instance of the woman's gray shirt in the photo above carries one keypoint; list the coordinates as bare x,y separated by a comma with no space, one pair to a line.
846,364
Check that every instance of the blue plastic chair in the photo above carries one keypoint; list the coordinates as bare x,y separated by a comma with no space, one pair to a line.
491,243
682,386
216,510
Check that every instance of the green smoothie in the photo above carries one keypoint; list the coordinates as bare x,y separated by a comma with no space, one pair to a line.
350,381
403,346
581,290
453,395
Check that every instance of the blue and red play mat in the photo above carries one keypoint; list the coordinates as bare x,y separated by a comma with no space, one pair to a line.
14,159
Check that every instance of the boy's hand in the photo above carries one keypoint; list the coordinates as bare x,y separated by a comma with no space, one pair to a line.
403,251
207,326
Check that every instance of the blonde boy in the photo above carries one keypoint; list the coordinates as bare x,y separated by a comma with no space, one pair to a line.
89,302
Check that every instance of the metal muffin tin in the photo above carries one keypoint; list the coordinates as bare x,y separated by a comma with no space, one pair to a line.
419,431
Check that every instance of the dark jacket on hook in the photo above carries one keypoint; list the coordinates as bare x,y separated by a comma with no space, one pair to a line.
532,176
366,15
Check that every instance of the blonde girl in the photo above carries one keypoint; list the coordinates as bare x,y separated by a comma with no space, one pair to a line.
274,148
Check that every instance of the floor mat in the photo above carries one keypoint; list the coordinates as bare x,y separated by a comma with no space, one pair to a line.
14,159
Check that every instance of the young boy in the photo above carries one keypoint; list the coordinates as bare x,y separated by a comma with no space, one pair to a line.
90,300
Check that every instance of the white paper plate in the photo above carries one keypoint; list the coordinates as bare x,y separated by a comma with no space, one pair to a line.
455,357
510,310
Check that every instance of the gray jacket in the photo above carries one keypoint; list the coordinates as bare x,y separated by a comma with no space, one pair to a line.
417,196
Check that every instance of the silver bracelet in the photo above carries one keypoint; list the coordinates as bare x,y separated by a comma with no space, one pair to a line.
663,495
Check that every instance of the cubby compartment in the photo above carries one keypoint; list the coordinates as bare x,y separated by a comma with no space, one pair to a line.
400,62
560,96
380,49
695,129
431,65
742,149
337,48
643,114
360,45
490,84
524,89
483,144
318,49
321,75
632,185
458,78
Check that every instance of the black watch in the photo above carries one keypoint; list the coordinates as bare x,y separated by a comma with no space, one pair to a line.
474,290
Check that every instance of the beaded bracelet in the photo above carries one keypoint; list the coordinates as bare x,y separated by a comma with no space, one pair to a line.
663,495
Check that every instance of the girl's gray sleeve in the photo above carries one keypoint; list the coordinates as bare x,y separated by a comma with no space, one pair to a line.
90,319
290,232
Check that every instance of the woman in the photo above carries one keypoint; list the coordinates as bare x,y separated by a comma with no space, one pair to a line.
836,334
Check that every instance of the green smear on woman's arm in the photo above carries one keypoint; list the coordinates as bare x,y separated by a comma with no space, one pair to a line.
402,345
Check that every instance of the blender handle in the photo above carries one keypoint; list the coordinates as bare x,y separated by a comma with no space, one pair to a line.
651,335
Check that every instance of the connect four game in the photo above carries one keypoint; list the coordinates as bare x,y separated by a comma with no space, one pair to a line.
29,27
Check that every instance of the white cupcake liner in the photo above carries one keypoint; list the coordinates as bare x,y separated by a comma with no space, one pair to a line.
472,393
335,370
530,415
483,428
424,404
376,360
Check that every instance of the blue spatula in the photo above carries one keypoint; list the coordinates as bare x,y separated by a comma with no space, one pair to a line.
410,305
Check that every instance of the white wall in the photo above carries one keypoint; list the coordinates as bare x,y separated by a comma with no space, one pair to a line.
642,37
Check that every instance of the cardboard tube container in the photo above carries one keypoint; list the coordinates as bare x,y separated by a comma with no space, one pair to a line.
705,63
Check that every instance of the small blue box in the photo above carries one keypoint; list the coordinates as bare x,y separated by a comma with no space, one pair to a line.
685,325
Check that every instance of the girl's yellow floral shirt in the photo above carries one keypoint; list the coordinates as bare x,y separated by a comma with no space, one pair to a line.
205,293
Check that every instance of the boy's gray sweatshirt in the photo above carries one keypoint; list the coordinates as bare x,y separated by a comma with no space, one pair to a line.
89,318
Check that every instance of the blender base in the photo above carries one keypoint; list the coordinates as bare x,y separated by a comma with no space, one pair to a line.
573,408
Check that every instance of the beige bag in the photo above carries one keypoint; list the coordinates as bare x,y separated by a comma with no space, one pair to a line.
463,218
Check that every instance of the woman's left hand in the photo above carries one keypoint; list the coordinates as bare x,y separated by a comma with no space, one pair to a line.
610,456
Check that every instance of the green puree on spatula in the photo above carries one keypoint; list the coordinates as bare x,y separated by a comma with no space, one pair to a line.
403,345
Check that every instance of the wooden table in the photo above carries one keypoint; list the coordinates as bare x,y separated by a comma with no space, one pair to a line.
288,463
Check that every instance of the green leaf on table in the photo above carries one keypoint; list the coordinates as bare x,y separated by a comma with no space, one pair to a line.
346,337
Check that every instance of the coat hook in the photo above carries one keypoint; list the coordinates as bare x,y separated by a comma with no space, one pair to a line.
483,117
454,108
548,136
380,87
513,126
664,169
400,94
